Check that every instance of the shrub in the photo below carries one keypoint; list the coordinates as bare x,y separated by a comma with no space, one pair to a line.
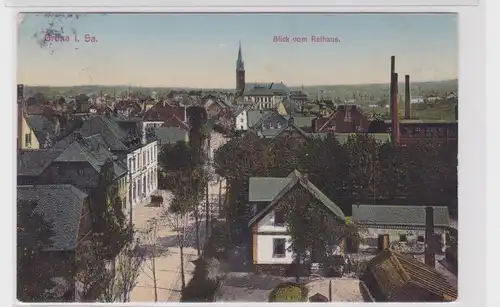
208,271
289,292
204,283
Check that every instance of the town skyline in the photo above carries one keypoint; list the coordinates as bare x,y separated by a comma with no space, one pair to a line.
205,50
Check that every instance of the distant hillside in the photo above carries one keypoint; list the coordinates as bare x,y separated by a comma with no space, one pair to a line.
363,92
379,91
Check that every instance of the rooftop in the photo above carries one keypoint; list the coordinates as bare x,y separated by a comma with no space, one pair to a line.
398,215
59,204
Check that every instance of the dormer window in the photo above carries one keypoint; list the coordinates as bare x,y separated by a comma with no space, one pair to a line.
279,218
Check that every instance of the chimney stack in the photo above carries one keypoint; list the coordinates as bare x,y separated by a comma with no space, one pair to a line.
430,258
394,109
407,97
20,115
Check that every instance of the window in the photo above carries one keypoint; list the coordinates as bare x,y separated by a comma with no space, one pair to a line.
278,125
241,119
402,238
420,239
27,139
279,248
241,128
440,132
429,132
80,171
279,218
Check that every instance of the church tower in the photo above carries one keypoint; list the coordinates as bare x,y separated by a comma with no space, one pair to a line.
240,72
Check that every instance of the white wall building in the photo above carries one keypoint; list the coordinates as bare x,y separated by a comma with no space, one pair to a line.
142,165
273,244
270,238
241,119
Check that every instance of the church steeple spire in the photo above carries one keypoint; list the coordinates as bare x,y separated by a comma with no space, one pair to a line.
240,65
240,71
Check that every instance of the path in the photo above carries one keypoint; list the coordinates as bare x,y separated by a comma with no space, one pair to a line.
167,264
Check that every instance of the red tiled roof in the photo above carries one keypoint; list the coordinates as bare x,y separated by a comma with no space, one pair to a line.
160,112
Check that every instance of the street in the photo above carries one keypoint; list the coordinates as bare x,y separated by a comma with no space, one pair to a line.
167,262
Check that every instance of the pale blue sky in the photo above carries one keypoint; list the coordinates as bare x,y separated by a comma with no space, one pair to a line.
199,50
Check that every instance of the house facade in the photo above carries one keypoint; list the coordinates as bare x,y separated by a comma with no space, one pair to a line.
346,119
270,239
142,165
26,138
240,118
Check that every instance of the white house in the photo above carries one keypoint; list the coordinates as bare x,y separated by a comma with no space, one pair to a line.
241,118
142,168
404,226
270,239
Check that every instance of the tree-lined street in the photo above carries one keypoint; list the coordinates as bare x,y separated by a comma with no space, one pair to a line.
167,262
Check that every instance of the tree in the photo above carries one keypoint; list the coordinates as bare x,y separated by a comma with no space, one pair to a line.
313,228
92,275
110,226
175,217
152,251
34,236
186,178
127,266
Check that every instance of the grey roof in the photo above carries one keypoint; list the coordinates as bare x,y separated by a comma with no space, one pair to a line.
60,204
111,132
44,129
291,126
238,109
295,179
255,116
34,162
170,135
258,91
303,121
271,115
274,86
93,150
265,188
399,215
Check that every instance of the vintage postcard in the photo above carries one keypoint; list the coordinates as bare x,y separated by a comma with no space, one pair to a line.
237,157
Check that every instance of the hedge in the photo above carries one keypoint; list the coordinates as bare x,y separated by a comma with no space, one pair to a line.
289,292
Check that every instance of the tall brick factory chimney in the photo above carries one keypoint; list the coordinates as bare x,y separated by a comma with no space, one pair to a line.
394,110
391,88
20,114
407,97
456,112
430,239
